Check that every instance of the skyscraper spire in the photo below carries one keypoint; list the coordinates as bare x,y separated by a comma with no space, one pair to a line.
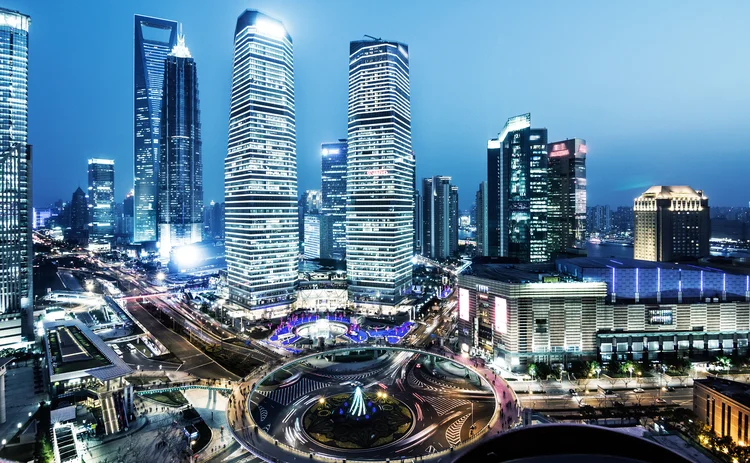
180,50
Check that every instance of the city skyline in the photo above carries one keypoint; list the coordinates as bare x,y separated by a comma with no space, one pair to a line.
654,111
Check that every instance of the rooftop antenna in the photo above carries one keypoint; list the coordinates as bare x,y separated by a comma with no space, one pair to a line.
374,38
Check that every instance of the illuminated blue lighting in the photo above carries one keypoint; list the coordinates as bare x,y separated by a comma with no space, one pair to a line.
358,403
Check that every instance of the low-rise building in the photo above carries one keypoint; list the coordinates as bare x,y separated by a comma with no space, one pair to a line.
724,406
83,367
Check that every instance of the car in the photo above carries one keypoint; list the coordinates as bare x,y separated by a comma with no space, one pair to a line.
638,390
573,392
619,404
659,400
670,389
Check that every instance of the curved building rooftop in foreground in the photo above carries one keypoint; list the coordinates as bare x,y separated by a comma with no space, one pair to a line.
569,443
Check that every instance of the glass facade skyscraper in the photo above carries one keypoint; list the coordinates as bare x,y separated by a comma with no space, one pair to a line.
180,165
154,39
566,201
439,217
481,220
517,191
101,200
333,217
260,171
380,174
16,295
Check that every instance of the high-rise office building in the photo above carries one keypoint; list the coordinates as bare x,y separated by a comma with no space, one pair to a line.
79,218
101,200
213,221
671,223
311,245
566,197
128,211
260,171
599,219
440,217
418,222
154,39
333,191
310,202
16,294
453,221
180,174
517,191
480,220
380,174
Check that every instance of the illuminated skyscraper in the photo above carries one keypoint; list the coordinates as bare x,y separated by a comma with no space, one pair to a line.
333,218
671,223
154,39
380,173
439,218
260,171
481,220
566,201
16,295
180,167
101,201
79,218
517,191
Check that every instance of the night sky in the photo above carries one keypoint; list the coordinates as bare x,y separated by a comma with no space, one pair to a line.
660,90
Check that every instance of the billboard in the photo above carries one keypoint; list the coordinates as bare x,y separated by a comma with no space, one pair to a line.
501,315
463,304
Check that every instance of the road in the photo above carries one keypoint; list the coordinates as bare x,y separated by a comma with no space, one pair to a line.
443,400
682,397
194,361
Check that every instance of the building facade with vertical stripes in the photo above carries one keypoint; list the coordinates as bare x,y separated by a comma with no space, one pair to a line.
380,174
16,292
154,39
260,170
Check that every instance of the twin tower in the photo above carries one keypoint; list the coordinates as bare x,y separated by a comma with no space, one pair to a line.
260,173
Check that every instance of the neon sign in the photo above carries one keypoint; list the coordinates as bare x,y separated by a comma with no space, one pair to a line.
583,149
501,315
376,173
558,153
463,304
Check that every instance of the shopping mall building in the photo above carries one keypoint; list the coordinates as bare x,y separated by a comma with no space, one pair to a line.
599,308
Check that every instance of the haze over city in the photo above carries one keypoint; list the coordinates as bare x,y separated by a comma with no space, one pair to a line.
656,89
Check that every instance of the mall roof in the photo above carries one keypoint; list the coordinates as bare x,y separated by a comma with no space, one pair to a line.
116,369
508,272
739,392
623,263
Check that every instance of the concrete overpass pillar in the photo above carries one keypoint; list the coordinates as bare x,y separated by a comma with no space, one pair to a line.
2,395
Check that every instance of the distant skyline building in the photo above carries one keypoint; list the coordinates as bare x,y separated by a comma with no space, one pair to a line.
566,200
180,175
260,171
380,174
79,218
418,222
16,251
481,220
672,223
213,221
440,217
333,191
312,236
599,219
310,202
101,201
517,191
154,39
453,221
128,211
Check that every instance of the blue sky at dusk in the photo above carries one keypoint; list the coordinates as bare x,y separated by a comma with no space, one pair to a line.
660,90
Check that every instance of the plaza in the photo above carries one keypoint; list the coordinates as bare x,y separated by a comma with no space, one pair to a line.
367,404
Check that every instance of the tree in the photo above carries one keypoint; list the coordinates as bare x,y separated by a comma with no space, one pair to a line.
613,367
46,453
543,370
532,370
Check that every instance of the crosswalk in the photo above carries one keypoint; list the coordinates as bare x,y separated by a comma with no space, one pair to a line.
287,395
443,405
453,433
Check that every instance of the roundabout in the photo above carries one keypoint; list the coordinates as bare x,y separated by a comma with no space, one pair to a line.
367,404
